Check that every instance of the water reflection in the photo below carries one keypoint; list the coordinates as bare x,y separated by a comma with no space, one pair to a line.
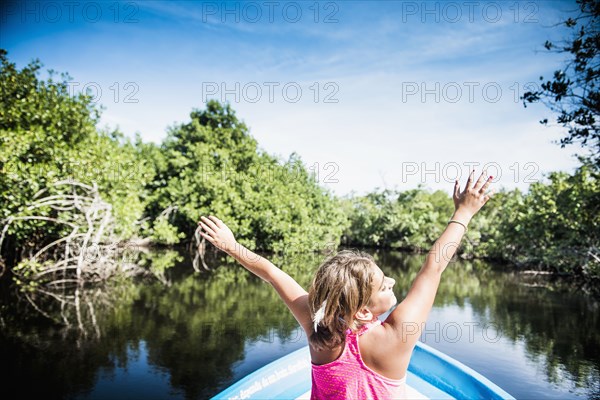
191,334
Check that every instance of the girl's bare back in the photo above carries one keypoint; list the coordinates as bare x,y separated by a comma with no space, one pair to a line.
375,348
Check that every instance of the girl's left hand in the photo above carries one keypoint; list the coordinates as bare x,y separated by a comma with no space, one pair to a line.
218,233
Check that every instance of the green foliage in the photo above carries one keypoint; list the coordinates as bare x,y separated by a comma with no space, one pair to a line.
25,270
554,225
557,224
159,263
165,233
212,166
413,219
487,236
49,136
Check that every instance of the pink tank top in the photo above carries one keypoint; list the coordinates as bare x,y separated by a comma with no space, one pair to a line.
349,378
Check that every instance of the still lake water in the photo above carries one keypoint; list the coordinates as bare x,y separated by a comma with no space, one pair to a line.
182,334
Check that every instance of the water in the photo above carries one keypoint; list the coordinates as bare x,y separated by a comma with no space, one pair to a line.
190,335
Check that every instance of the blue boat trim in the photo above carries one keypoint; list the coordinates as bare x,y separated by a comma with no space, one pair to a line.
430,372
452,376
265,383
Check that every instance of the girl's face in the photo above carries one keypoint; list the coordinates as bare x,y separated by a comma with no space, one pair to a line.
382,298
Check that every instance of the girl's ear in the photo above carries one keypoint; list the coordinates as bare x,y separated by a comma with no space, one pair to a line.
364,315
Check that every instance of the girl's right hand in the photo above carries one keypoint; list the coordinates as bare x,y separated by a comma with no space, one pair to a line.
468,202
219,234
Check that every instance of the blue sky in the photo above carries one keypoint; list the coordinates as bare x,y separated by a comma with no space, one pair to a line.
370,94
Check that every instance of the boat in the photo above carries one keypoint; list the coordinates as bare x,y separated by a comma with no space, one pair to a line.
431,375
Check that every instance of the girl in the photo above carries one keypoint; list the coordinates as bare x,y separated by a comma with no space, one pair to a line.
348,293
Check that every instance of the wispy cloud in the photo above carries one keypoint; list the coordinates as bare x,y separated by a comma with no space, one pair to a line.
371,53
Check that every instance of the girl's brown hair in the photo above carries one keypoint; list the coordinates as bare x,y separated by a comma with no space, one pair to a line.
345,281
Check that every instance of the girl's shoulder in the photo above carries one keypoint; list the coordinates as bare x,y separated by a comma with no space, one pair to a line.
383,334
381,351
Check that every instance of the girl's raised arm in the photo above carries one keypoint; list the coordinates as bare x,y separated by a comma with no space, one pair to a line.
409,317
294,296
